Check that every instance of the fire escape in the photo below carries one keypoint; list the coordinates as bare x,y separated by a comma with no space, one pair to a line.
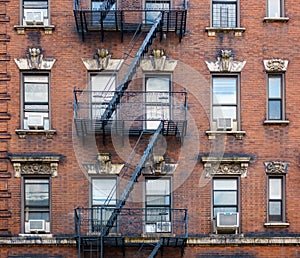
103,226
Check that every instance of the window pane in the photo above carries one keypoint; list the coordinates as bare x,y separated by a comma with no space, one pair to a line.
151,16
275,208
225,184
224,14
274,87
157,187
224,91
36,92
225,198
275,188
224,209
224,112
274,8
37,194
102,189
158,200
274,109
39,215
158,84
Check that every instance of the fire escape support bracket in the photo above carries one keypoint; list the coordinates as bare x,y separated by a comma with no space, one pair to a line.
156,249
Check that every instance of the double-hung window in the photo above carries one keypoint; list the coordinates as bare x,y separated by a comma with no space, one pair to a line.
225,103
36,102
35,12
103,199
102,90
158,205
276,205
36,204
225,13
157,100
275,8
276,97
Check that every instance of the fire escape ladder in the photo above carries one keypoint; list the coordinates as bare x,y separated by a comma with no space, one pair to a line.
156,249
132,70
134,177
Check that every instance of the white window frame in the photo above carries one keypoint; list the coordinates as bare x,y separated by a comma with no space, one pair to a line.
44,113
214,105
280,6
164,104
99,211
163,216
237,14
106,90
35,8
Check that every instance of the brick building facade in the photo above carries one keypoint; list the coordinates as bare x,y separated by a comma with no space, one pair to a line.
149,128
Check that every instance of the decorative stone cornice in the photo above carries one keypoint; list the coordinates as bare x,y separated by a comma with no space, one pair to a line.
276,167
39,165
225,166
35,61
158,61
276,65
103,165
102,61
225,63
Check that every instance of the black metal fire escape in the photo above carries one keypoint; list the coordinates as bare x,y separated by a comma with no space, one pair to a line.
83,19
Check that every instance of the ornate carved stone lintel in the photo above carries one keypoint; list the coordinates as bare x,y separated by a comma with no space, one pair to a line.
276,65
225,63
276,167
227,166
47,165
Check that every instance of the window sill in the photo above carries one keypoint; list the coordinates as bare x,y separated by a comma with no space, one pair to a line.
212,31
45,235
213,134
277,225
22,133
22,28
276,19
276,122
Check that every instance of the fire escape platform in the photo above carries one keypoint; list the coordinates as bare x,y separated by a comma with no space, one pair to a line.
129,20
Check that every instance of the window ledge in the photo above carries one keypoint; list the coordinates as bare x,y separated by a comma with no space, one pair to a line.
277,225
46,235
212,31
22,28
276,19
213,134
278,122
22,133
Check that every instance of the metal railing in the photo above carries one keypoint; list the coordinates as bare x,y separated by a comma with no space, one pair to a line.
131,222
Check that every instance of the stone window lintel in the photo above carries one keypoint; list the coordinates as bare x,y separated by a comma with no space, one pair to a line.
34,165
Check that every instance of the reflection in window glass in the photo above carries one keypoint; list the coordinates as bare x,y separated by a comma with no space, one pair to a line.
274,8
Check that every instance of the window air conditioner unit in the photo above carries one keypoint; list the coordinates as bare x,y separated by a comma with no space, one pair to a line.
224,124
35,121
227,220
37,225
33,17
163,227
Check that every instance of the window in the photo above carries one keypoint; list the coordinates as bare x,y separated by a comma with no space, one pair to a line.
153,5
36,102
275,97
225,103
158,205
35,12
37,204
275,8
225,195
102,90
225,14
104,193
157,100
276,205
